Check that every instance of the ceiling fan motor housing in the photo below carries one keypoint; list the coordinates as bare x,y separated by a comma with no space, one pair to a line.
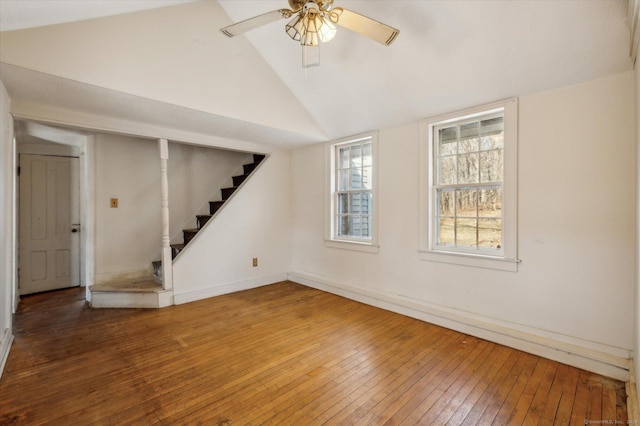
297,5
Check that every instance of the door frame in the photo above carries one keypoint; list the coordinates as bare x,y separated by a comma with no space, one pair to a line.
83,146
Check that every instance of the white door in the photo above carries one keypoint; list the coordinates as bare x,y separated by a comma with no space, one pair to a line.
49,215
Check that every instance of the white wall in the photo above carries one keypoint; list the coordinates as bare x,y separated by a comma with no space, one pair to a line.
256,222
193,65
7,261
576,228
128,238
196,175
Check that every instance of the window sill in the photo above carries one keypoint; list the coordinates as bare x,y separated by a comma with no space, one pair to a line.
353,245
474,260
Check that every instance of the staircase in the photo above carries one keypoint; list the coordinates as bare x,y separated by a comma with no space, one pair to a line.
214,207
149,293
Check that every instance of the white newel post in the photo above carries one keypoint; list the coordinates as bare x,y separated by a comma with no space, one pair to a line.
167,261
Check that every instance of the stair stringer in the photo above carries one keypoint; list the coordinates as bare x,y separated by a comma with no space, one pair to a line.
226,203
256,224
202,208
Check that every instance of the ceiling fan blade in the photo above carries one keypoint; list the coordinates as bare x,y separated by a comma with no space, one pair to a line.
255,22
364,26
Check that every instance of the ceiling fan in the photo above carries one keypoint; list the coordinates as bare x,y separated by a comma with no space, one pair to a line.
313,23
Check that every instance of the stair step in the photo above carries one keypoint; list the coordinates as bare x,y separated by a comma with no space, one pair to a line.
226,192
248,168
175,249
214,206
189,234
141,286
237,180
202,219
139,294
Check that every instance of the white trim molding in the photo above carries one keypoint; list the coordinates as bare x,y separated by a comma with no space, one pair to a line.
219,290
599,358
506,256
5,346
331,240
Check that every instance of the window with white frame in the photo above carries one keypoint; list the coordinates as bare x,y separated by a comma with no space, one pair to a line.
469,214
352,190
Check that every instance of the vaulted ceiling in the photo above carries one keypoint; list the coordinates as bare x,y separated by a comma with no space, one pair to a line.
164,62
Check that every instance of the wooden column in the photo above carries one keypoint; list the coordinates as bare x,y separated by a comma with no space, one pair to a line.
167,261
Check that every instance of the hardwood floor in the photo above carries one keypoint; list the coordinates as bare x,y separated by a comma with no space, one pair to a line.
280,354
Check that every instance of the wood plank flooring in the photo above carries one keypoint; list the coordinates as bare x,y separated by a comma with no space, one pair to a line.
282,354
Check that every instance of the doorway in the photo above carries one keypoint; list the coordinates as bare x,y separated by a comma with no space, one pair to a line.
49,217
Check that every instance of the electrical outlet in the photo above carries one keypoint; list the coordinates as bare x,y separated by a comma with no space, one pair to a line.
114,203
255,262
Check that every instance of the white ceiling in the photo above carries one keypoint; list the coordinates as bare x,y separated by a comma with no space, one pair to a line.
449,55
20,14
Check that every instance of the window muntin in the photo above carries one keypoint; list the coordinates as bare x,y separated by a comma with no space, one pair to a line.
353,192
468,184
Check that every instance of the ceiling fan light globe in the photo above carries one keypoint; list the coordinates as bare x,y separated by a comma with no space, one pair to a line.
327,31
295,28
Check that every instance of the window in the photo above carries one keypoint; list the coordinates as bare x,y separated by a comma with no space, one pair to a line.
352,193
469,212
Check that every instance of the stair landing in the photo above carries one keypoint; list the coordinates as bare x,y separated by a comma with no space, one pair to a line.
132,294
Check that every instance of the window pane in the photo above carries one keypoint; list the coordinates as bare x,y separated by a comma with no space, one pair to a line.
466,203
343,180
367,177
366,208
466,232
490,203
366,226
445,202
469,137
446,234
492,142
367,156
447,170
468,168
343,226
343,203
353,209
491,166
356,178
492,126
355,203
344,158
448,139
356,156
489,233
355,222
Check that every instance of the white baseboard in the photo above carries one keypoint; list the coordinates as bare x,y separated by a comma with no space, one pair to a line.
192,296
595,357
5,346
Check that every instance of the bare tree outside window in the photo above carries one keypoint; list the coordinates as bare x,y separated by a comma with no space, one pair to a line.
469,183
